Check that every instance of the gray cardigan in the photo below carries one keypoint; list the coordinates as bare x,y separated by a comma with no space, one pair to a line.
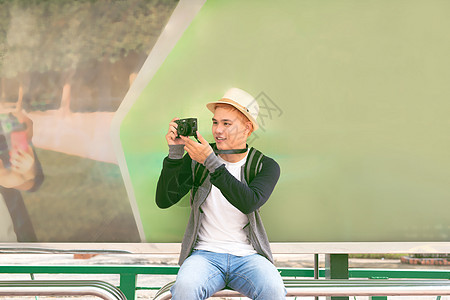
176,180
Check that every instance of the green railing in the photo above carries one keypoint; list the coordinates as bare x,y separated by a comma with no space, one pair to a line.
129,273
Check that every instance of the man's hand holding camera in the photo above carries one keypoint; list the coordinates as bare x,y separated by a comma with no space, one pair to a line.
22,162
197,151
22,171
172,136
179,136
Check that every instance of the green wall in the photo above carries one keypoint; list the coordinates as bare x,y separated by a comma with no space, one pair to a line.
355,106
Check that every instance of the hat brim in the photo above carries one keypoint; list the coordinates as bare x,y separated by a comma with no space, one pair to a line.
212,107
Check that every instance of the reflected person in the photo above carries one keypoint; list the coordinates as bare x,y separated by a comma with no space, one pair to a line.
20,170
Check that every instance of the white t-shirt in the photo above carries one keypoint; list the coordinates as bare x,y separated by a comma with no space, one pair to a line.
7,233
222,226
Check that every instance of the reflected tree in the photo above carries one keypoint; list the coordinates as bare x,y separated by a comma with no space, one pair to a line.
62,37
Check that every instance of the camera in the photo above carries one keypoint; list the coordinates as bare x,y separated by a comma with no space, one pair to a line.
12,137
187,127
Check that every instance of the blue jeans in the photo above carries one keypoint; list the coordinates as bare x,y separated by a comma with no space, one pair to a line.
204,273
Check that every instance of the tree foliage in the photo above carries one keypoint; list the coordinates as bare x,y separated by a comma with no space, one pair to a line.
48,36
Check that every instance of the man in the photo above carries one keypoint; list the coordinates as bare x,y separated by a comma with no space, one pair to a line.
225,243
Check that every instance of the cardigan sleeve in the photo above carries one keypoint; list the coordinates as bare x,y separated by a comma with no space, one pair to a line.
248,198
39,178
174,182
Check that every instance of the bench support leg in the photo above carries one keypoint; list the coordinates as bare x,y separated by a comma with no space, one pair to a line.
336,267
128,285
316,270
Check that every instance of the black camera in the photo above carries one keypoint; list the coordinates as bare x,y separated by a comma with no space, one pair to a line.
187,127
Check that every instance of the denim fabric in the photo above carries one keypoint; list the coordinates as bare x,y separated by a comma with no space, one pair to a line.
204,273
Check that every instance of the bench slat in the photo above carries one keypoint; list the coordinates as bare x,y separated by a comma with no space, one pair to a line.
330,287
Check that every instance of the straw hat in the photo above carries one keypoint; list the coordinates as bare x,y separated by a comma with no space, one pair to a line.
242,101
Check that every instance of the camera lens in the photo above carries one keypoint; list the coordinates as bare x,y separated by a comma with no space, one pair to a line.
183,128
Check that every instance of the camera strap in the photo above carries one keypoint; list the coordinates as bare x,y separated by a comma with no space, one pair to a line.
196,137
230,151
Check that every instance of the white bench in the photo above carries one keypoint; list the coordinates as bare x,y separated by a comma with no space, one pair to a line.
332,287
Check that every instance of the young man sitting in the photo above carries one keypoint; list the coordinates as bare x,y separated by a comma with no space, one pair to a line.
225,244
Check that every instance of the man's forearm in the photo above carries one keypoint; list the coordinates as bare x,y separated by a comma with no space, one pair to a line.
247,198
174,182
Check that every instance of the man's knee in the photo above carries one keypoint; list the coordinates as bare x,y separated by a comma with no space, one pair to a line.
196,283
186,290
269,284
272,290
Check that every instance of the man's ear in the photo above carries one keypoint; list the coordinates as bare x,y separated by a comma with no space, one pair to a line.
249,128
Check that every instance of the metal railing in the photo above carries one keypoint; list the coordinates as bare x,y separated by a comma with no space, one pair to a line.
128,273
95,288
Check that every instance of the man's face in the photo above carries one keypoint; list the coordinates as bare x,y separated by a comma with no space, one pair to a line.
230,130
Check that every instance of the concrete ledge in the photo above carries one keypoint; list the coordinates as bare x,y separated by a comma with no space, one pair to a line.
277,248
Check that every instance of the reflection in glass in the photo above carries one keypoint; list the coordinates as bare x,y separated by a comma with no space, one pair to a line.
66,66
